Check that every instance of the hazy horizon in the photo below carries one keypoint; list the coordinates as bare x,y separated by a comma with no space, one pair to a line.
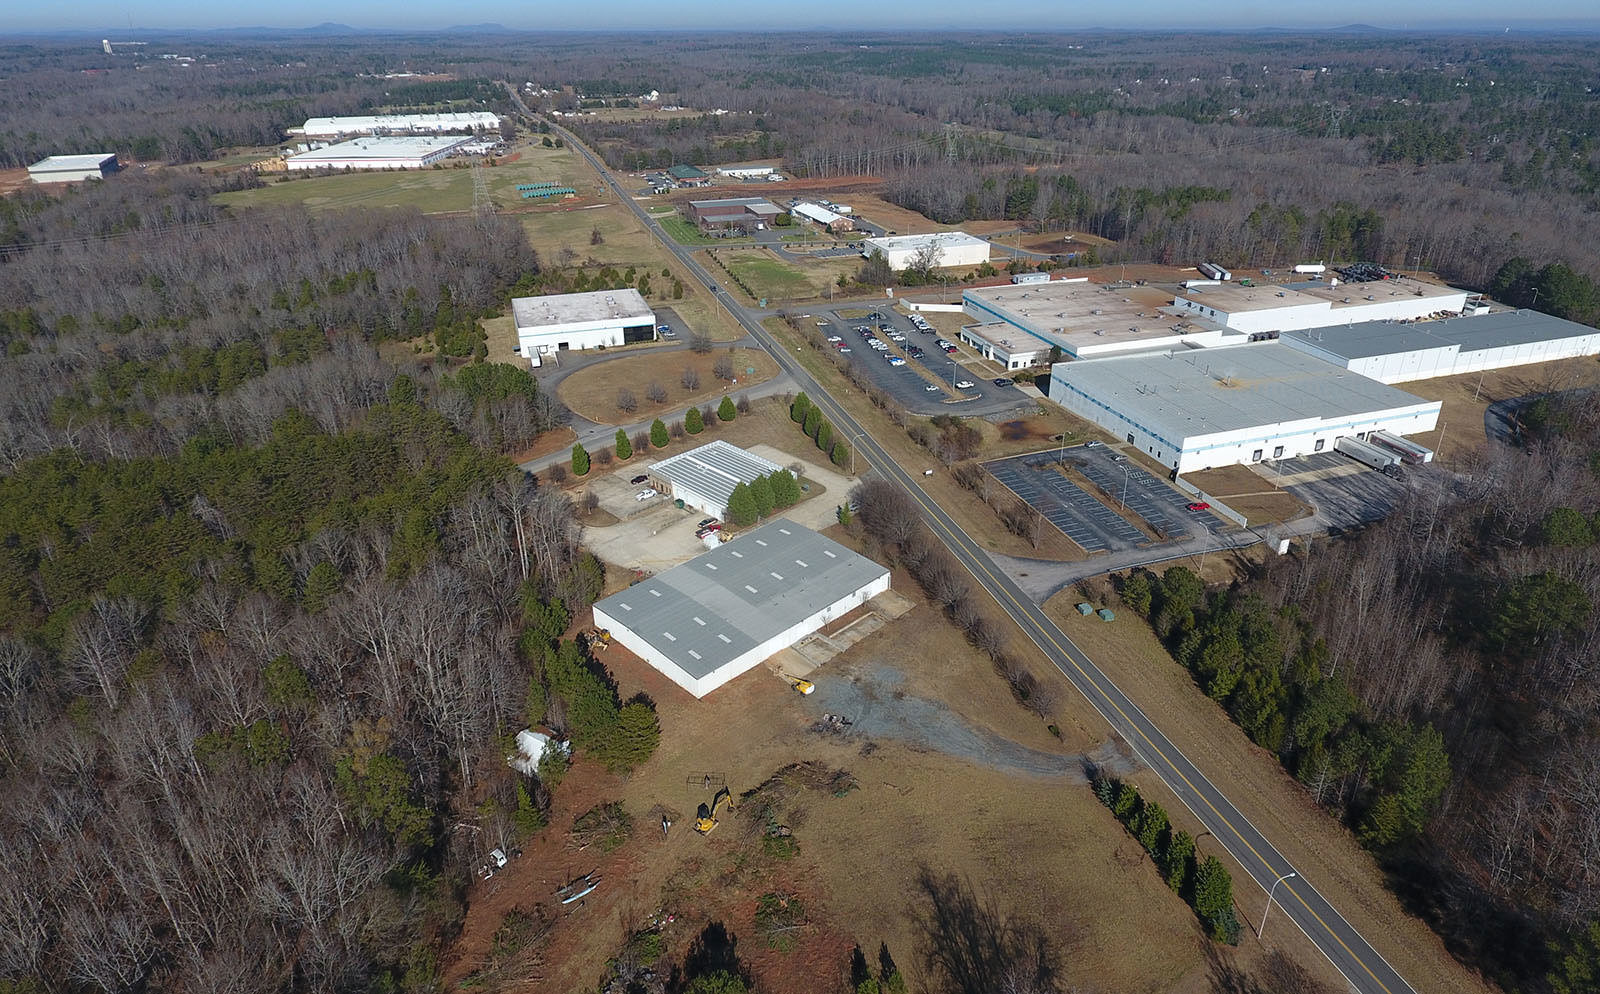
638,16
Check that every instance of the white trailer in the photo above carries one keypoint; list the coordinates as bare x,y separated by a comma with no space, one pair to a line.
1410,452
1311,268
1365,452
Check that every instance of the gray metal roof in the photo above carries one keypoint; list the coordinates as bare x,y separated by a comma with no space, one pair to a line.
1186,393
72,162
722,604
759,205
1367,339
713,470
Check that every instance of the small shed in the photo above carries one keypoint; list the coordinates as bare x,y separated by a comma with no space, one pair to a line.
531,748
1106,614
1084,608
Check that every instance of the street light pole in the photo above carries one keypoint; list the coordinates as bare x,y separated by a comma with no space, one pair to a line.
1124,500
1274,887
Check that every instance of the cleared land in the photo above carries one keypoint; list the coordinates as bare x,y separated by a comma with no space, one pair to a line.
591,392
682,231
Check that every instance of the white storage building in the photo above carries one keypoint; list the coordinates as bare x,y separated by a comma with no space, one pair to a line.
1398,353
409,152
1315,304
745,172
952,248
560,321
398,124
1193,409
726,611
73,168
704,477
817,214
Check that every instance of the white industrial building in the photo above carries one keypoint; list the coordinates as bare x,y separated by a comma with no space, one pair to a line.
561,321
1315,304
73,168
726,611
409,152
822,217
1083,319
1194,409
398,124
1398,353
951,248
704,477
745,172
1005,345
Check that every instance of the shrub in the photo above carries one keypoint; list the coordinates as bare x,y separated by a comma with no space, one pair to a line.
627,403
580,460
658,433
725,410
656,393
841,454
624,449
693,423
800,407
690,380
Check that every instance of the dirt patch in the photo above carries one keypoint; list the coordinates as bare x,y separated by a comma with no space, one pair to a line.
591,392
1249,493
1466,398
1026,430
12,180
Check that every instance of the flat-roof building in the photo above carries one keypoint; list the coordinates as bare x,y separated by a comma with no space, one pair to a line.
73,168
1193,409
949,248
1005,345
745,172
733,211
688,175
1314,304
726,611
704,477
561,321
1086,319
398,124
1391,352
407,152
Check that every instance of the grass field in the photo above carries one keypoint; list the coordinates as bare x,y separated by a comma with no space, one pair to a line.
682,232
767,276
592,391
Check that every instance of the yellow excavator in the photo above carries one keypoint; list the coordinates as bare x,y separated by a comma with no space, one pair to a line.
804,686
706,818
599,639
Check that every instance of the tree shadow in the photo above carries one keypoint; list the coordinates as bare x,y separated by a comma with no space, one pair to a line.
714,950
969,946
1275,973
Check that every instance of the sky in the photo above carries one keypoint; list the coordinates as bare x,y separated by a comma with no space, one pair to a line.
658,15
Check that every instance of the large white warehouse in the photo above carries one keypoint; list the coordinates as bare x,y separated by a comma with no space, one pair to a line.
1314,304
1398,353
398,124
1193,409
1083,319
560,321
73,168
411,152
950,248
704,477
726,611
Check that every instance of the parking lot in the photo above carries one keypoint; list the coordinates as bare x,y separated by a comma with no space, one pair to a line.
1344,493
1084,517
908,383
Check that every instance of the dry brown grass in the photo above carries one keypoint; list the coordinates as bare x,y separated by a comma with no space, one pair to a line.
1249,493
592,391
1466,398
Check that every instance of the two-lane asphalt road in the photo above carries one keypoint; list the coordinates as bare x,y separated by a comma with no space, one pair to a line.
1366,971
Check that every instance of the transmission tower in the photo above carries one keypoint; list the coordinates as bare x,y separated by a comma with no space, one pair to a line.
482,205
1335,115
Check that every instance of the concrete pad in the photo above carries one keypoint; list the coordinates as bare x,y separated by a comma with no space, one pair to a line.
892,604
616,493
656,538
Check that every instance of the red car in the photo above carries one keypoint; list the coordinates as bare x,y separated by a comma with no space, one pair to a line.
1199,505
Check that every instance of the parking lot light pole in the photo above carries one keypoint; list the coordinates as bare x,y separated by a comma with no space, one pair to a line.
1274,887
1124,500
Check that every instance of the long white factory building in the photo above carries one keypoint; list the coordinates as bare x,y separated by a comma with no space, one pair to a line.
726,611
1398,353
73,168
398,124
561,321
410,152
1194,409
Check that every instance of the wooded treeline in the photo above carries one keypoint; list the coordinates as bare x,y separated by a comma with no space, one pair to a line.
1436,681
1453,154
271,605
141,316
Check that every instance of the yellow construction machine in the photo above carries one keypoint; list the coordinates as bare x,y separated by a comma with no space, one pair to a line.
599,639
706,818
804,686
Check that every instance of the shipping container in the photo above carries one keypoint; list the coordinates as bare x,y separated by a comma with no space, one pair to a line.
1365,452
1410,452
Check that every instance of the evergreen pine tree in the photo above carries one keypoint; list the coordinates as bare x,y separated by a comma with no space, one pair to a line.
725,410
658,434
580,460
742,505
761,493
693,423
624,447
799,409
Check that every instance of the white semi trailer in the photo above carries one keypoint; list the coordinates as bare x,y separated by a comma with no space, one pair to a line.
1365,452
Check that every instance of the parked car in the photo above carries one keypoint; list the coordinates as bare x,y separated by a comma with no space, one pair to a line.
645,494
663,328
1093,445
835,338
964,385
1199,505
1001,381
932,388
706,521
844,350
669,333
895,360
639,479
